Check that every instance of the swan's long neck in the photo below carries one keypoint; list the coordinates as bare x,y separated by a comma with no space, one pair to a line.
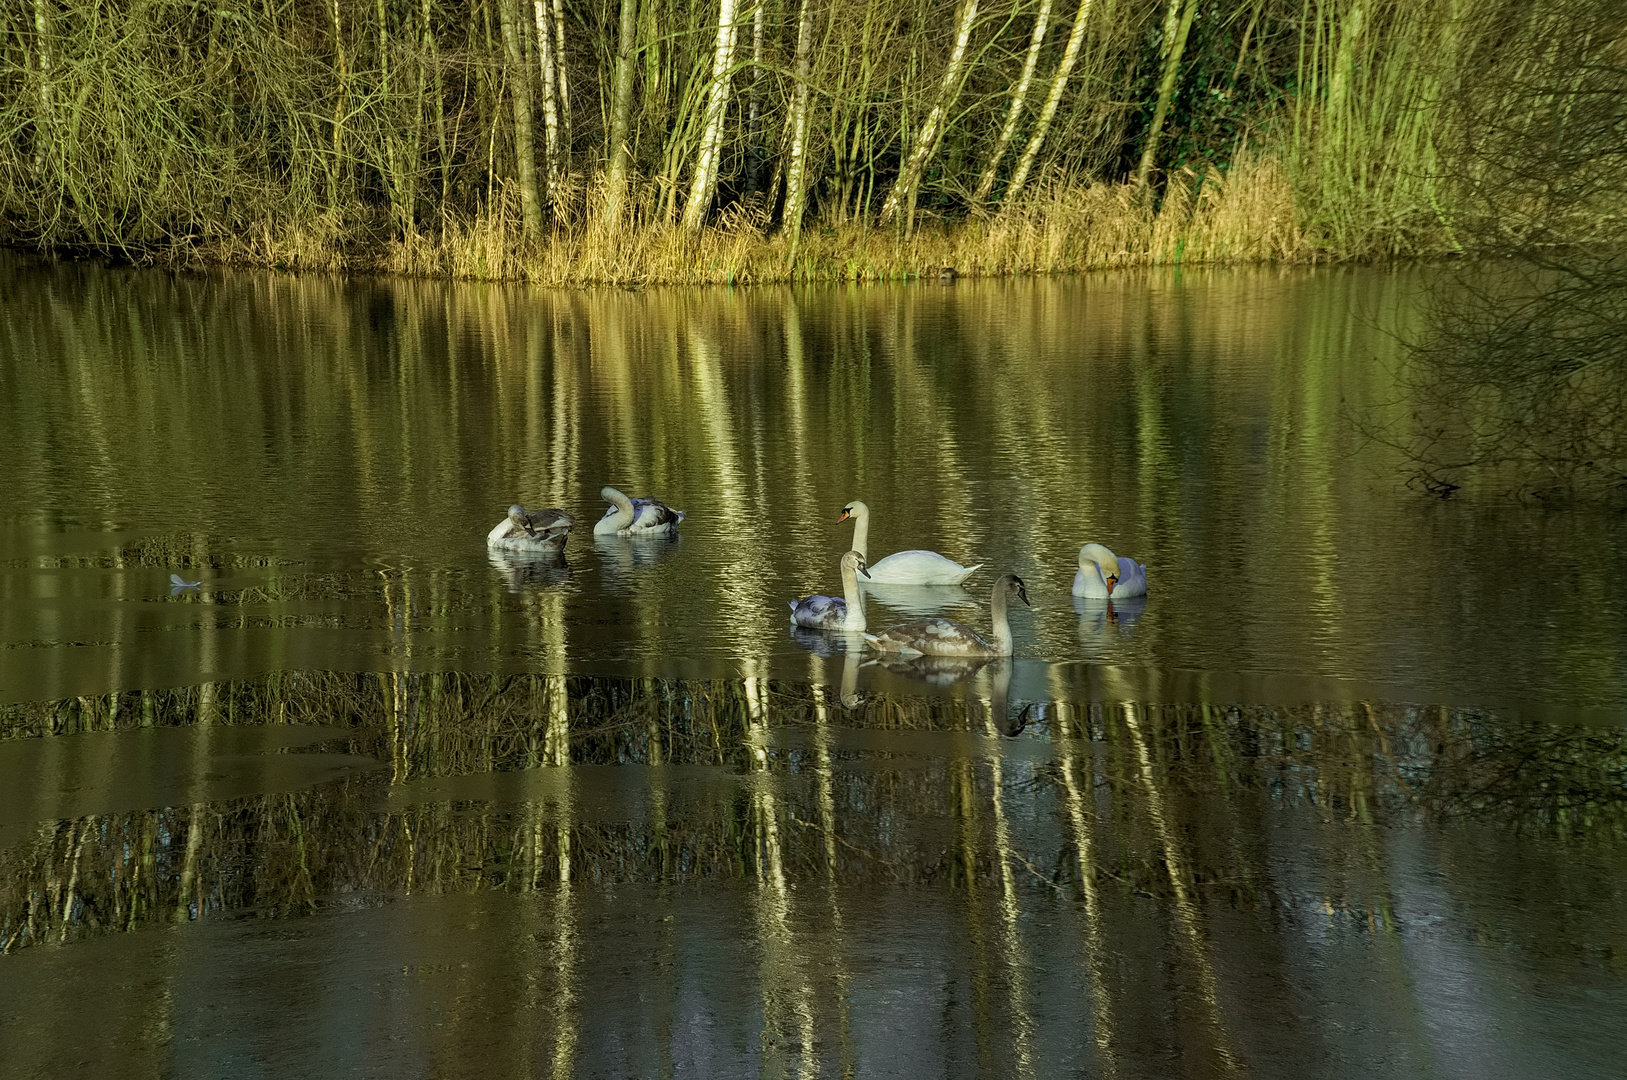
861,532
854,621
623,516
1000,696
1092,569
850,679
1094,560
1002,625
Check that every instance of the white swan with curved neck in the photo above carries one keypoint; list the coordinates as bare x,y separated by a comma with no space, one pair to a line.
829,612
941,637
636,517
914,567
531,530
1105,576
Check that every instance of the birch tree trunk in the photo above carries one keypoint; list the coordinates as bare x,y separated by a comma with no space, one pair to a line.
525,150
541,16
754,106
1019,98
1176,27
903,191
1042,124
562,88
796,175
704,185
621,112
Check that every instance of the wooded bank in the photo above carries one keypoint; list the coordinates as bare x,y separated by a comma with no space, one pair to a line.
725,140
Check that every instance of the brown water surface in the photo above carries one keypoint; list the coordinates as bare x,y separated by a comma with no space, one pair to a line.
1343,797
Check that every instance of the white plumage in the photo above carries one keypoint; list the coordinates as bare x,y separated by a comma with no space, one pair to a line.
636,517
1105,576
531,530
915,567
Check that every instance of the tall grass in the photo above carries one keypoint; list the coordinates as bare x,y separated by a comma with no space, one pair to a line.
1247,215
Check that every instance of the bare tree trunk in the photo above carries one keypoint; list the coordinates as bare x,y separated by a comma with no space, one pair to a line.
796,177
656,88
704,185
1042,125
396,184
902,197
1019,98
341,72
621,111
754,106
563,88
1177,24
45,121
433,58
851,136
546,54
489,86
525,150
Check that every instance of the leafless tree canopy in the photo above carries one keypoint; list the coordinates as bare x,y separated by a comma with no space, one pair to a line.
1520,378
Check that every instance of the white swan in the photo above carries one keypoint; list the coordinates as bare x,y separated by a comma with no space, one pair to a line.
941,637
636,517
906,567
530,530
829,612
1103,575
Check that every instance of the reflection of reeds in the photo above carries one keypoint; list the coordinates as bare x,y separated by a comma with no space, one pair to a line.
782,796
1172,854
456,413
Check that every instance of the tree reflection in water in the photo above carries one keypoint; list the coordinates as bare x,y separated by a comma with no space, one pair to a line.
1107,820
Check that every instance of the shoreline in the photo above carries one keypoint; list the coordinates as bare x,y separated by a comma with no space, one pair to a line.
1247,217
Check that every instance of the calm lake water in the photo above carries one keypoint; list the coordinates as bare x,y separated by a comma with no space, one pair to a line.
1345,796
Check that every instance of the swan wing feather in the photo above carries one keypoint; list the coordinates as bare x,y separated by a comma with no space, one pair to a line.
542,529
933,637
1132,579
819,612
918,567
652,515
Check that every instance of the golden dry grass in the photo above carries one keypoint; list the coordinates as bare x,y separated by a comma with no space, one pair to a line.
1247,215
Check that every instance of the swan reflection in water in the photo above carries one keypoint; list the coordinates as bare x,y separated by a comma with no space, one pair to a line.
179,585
944,671
938,672
850,647
916,599
825,644
539,568
620,557
1105,624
